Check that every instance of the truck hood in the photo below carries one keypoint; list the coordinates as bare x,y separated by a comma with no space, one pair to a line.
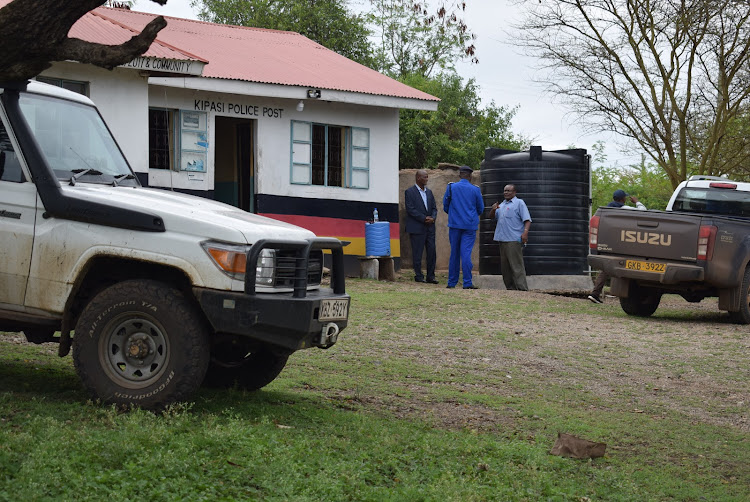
191,215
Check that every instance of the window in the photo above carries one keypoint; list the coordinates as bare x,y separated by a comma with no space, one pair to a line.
10,168
71,85
161,138
329,155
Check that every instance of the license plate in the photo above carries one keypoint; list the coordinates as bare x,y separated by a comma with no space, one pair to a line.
645,266
333,310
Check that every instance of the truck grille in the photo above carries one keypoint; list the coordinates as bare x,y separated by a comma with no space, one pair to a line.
286,266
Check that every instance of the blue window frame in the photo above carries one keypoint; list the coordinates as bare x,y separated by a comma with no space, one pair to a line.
329,155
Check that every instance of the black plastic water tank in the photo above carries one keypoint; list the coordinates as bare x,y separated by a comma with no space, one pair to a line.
556,187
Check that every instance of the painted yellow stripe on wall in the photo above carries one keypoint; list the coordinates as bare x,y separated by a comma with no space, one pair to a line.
357,246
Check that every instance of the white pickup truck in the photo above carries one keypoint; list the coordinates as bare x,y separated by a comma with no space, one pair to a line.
149,286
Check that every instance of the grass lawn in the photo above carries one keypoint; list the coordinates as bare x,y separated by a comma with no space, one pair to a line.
430,394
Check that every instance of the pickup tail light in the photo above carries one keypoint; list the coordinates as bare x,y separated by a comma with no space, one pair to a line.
706,240
593,232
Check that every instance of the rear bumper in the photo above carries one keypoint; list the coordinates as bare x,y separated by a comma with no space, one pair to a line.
674,273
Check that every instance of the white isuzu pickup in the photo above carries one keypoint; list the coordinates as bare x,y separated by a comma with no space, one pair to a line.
150,287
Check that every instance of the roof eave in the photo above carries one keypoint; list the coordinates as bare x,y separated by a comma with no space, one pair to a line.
292,92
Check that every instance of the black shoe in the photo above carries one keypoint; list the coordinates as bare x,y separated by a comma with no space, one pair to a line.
449,286
433,281
595,299
417,279
471,287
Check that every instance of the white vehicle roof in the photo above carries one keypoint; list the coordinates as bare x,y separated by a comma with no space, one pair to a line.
699,181
57,92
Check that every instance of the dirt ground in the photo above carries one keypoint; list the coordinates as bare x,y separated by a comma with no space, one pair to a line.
688,358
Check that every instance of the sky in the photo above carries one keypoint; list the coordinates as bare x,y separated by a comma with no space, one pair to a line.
503,75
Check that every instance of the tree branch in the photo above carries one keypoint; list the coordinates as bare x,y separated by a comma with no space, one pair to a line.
35,33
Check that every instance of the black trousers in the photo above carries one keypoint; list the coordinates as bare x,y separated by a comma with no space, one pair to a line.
420,243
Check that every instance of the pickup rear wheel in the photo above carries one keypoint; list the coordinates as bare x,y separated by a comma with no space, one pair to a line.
640,302
141,342
238,361
743,316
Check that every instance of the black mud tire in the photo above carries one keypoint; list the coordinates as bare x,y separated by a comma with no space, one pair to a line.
141,342
641,302
743,316
239,362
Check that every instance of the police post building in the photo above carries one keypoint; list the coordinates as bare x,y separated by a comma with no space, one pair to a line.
268,121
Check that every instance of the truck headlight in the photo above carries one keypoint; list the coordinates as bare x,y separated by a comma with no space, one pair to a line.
265,268
232,260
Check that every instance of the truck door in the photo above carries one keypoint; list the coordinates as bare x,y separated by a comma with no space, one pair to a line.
17,216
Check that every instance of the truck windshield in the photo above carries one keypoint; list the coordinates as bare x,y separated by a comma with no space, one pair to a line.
73,138
713,201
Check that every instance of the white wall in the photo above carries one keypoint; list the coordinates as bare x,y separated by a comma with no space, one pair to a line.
273,135
123,97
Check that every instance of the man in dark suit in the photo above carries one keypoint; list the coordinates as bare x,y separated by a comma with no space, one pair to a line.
421,212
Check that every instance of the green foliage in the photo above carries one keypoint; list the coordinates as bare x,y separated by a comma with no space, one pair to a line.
327,22
648,182
417,39
459,131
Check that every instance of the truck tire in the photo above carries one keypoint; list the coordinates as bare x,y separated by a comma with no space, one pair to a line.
141,342
237,361
743,316
640,302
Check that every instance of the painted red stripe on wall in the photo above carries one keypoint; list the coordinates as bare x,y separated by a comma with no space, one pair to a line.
330,226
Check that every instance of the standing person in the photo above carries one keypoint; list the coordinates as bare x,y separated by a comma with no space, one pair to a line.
512,233
463,202
618,200
421,212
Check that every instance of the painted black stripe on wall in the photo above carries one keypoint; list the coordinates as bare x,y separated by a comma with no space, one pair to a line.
326,208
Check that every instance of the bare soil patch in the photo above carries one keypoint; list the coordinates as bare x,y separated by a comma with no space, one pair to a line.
687,358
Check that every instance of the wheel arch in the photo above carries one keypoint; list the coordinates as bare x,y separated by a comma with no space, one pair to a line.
102,271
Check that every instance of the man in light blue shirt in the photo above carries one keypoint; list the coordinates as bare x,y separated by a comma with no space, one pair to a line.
463,202
512,232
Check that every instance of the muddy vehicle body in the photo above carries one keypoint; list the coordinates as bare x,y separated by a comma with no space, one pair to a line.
155,291
698,248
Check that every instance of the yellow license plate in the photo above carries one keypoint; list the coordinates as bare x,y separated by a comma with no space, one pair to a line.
645,266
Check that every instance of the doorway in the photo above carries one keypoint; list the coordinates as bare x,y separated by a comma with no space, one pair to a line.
234,161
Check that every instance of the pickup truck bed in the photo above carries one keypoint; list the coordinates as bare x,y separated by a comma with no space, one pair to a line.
696,251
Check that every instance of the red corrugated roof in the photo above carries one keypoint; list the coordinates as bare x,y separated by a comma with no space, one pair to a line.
240,53
96,28
266,56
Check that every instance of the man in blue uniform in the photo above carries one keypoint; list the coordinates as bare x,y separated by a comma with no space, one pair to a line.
463,202
512,232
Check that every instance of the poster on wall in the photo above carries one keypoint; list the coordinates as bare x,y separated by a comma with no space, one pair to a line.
193,141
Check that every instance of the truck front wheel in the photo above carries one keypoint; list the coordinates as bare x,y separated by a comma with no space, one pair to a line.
743,316
640,302
140,342
238,361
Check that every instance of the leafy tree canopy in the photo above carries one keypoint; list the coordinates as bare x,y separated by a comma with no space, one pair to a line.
415,38
459,131
327,22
